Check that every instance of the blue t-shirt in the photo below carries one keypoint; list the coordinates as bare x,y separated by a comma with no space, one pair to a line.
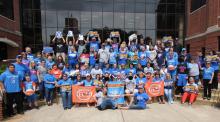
112,58
207,73
49,64
72,57
133,70
11,81
114,71
141,98
49,78
94,45
65,83
157,79
92,60
30,57
215,65
122,57
21,69
28,85
88,83
133,57
141,80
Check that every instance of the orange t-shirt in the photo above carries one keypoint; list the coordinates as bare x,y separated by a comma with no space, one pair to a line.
57,73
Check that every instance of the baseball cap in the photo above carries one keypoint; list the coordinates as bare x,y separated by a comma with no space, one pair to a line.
183,49
18,56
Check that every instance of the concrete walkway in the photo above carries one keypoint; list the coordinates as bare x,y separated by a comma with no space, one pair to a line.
156,113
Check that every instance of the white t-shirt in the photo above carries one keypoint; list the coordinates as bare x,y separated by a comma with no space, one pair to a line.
193,69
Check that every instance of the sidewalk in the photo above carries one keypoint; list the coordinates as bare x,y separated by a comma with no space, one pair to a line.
156,113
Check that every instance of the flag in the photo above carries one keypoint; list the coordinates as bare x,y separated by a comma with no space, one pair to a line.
154,89
82,94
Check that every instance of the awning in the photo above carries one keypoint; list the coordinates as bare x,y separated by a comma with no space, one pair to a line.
9,42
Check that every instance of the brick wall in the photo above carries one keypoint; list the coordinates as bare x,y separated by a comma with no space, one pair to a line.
11,29
200,22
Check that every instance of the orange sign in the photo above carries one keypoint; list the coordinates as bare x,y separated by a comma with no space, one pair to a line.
154,89
82,94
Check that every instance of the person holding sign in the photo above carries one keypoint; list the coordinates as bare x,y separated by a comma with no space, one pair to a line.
139,100
59,44
190,92
29,88
65,85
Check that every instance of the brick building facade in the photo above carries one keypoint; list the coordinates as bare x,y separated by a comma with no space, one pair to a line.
203,31
10,34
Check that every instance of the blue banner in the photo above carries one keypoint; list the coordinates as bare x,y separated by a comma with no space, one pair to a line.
116,88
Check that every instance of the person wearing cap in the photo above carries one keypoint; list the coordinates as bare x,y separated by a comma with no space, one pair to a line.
20,67
208,74
96,70
65,85
10,83
88,81
187,56
49,84
190,91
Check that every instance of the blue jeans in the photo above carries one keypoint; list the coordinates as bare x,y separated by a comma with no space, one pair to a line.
168,94
49,94
172,74
107,104
67,99
41,89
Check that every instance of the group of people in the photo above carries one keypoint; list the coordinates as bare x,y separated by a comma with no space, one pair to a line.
89,61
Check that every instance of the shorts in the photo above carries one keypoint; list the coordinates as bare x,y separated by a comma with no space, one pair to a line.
31,98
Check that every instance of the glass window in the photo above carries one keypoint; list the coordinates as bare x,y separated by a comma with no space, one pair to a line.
151,21
195,4
86,19
108,19
61,15
51,19
119,20
96,19
140,20
50,32
7,9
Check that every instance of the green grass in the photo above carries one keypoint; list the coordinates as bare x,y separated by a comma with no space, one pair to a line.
2,68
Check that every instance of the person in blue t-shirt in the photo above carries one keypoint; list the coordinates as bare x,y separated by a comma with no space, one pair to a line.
215,64
49,62
29,89
208,74
114,70
19,67
139,100
49,84
88,81
93,43
112,57
10,83
131,69
73,57
66,91
141,80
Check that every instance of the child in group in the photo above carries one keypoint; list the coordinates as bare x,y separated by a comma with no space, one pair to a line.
158,79
190,92
168,88
29,89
